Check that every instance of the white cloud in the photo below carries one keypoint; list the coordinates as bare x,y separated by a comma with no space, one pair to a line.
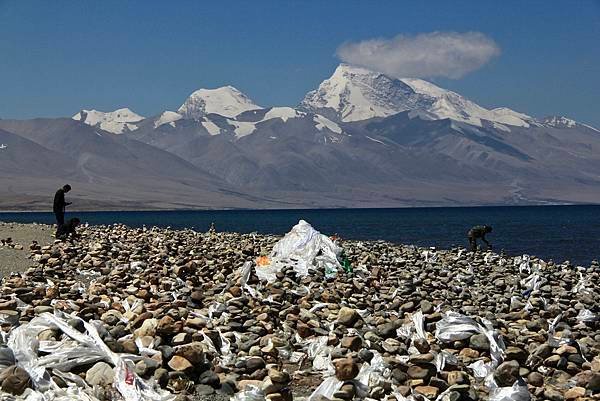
434,54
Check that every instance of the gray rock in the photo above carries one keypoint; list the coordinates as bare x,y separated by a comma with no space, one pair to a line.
101,374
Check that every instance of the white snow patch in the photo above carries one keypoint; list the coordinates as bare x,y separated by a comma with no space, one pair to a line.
226,101
323,122
3,146
560,121
590,127
242,128
284,113
167,117
375,140
117,121
424,87
211,127
501,127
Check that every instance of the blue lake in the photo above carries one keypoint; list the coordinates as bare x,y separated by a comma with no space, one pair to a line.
550,232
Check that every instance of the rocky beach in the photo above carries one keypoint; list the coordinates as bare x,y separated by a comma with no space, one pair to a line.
161,314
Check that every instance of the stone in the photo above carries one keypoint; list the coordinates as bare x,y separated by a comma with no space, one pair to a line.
101,374
469,353
210,378
574,393
193,352
386,330
129,347
594,382
346,369
346,392
457,377
180,364
181,338
553,394
479,342
278,376
353,343
429,392
426,307
270,387
203,390
14,380
535,379
347,316
515,354
255,363
507,373
418,372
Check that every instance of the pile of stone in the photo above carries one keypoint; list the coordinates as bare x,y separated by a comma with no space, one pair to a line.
9,243
180,309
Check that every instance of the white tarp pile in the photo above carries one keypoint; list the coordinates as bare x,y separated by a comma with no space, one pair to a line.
455,326
303,248
74,349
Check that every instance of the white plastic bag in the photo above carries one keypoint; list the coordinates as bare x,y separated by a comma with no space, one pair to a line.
517,392
327,388
250,393
586,315
455,326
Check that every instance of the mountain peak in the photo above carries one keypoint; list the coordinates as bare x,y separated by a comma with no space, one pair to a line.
117,121
356,93
226,101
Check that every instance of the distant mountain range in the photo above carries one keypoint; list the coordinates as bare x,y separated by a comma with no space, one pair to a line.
361,139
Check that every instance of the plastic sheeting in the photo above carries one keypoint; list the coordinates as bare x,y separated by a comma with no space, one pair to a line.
80,348
517,392
455,326
251,393
370,375
303,248
553,339
586,315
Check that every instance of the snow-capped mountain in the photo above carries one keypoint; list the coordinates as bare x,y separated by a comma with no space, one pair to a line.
117,122
226,101
564,122
361,139
356,93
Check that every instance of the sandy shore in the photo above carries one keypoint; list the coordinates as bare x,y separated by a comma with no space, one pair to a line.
14,258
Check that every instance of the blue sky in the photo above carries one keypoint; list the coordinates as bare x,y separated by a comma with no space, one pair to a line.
59,57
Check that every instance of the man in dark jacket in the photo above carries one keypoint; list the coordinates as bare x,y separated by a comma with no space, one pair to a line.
59,204
64,230
479,232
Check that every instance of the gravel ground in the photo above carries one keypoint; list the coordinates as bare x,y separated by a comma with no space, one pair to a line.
15,260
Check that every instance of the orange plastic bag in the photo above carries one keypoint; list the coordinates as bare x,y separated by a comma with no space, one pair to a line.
263,261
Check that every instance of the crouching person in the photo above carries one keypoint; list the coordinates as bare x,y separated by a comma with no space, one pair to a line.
67,230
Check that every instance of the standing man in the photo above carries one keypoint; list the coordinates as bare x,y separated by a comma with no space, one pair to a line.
479,232
59,204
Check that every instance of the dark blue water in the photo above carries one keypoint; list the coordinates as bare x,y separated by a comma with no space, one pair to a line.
550,232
